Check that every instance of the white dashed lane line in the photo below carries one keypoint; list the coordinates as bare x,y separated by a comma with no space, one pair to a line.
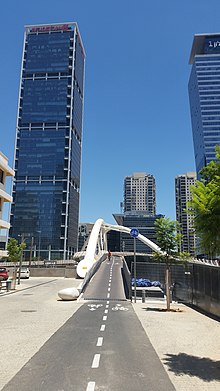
96,359
90,386
99,341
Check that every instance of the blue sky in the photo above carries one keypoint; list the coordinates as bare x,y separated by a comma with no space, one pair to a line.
136,115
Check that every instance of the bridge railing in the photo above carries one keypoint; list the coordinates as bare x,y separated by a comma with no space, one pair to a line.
92,271
127,279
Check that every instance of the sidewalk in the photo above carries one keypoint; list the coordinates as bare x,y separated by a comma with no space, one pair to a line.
26,324
187,343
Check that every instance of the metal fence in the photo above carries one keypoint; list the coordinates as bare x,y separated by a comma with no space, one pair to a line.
195,284
206,288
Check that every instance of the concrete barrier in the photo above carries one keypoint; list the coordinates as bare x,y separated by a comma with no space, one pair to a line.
67,272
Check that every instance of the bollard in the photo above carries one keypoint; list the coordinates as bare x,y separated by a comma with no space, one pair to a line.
8,285
143,296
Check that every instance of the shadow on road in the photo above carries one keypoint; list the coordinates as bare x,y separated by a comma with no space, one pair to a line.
157,309
201,367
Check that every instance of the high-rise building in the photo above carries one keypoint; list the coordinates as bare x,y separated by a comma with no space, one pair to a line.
145,223
140,193
204,94
48,140
183,195
5,171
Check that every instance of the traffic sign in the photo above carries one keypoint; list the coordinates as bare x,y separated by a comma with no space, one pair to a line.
134,232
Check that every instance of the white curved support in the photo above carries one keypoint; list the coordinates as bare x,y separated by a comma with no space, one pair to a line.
99,235
90,257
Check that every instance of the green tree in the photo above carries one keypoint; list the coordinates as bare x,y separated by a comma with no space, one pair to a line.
205,206
15,250
168,240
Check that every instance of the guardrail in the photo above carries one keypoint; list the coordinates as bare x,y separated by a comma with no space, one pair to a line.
40,263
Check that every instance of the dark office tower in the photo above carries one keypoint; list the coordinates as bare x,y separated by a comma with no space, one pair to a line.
48,140
204,94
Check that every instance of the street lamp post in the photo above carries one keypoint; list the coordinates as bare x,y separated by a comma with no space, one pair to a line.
31,250
39,243
134,233
20,261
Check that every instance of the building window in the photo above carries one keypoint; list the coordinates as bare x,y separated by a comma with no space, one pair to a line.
1,176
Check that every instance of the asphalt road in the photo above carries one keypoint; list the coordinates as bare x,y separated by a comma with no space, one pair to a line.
101,347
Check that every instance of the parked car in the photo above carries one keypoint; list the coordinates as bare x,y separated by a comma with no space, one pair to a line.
3,273
25,272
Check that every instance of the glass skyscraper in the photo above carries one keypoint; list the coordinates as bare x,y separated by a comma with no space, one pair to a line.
48,140
204,94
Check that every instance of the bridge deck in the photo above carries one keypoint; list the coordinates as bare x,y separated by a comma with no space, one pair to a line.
107,283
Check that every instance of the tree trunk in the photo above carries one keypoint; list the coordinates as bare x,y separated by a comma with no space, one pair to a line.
14,278
167,284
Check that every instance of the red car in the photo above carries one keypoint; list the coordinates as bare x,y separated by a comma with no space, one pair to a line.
3,274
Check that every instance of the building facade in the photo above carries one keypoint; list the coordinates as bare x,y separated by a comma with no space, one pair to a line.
204,95
145,225
183,196
5,171
48,140
140,193
84,232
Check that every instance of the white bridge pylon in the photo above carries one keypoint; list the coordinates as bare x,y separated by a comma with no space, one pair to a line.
98,246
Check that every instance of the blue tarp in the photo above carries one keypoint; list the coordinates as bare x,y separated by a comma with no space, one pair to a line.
144,282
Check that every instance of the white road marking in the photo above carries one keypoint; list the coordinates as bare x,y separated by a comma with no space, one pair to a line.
106,311
100,341
109,289
107,302
96,359
104,318
94,307
118,307
109,284
102,328
90,386
107,305
108,295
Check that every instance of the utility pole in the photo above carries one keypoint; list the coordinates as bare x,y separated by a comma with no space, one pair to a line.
21,258
31,251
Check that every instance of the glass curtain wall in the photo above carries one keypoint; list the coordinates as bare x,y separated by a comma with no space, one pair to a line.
47,160
204,94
